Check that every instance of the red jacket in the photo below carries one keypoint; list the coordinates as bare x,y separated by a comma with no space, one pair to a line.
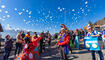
35,42
66,40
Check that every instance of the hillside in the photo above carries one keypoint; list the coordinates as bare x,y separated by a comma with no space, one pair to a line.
100,22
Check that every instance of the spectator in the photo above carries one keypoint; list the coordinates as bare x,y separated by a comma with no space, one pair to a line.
19,41
8,47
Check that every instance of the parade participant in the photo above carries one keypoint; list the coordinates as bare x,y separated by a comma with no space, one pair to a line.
103,34
63,43
77,42
49,39
28,35
93,33
71,43
19,41
34,36
23,35
103,37
30,51
8,47
42,43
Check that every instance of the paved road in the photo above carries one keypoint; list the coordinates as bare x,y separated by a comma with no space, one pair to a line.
53,54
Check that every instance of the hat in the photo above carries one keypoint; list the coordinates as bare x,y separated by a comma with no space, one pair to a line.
88,27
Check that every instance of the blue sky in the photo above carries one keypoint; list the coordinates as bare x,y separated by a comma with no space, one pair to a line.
44,15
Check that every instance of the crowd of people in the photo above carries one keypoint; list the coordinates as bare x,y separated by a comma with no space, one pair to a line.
26,42
67,40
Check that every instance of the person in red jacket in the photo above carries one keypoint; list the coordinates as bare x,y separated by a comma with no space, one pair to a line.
63,44
30,51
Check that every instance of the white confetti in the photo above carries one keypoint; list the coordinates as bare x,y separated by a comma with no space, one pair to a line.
88,10
8,16
50,17
86,5
26,10
24,20
23,9
29,16
73,10
78,12
58,7
63,8
3,19
15,9
30,12
3,16
86,2
0,10
2,6
0,18
6,11
20,13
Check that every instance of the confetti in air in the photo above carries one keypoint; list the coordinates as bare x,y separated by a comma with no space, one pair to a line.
2,6
0,10
15,9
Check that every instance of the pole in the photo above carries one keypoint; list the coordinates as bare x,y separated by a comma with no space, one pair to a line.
65,17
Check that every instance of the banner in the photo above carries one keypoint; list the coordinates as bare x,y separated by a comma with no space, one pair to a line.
92,43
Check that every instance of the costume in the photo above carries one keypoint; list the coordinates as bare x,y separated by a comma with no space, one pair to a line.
30,51
63,42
